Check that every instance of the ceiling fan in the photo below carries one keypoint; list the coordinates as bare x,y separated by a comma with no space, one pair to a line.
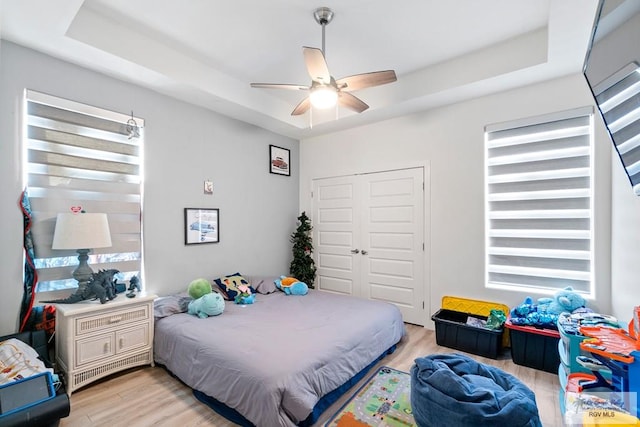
325,91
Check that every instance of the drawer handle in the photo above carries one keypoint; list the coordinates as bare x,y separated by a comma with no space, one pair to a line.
107,348
121,343
115,319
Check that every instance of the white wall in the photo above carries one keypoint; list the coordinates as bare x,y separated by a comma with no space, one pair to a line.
184,146
450,142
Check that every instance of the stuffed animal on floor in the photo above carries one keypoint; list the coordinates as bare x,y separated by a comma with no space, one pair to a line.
211,304
291,286
244,295
198,288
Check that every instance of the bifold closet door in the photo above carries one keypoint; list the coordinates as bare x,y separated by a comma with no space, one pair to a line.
369,237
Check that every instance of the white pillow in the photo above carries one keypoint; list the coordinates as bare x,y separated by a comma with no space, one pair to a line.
19,360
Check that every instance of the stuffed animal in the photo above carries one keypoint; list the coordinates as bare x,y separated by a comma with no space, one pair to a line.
565,300
244,295
545,313
291,286
198,288
211,304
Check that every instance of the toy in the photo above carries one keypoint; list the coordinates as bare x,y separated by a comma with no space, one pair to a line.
101,286
244,295
134,284
211,304
291,286
198,288
530,314
546,311
565,300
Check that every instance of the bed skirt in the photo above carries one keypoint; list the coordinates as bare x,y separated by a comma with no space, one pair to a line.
322,405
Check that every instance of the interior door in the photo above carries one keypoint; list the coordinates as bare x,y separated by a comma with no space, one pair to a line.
369,237
392,240
336,234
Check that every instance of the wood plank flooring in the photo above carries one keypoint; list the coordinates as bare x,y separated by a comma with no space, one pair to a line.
150,396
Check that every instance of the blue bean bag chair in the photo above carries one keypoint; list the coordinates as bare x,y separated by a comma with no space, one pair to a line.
455,390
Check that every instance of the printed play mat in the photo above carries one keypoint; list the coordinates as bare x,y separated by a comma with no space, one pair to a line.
383,401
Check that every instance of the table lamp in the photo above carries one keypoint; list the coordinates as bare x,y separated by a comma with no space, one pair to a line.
81,232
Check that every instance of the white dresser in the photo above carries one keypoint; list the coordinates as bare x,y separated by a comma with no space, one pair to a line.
94,340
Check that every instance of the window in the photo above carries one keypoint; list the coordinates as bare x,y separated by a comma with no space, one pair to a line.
539,203
618,99
78,155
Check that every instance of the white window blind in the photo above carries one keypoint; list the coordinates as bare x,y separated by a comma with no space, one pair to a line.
617,98
79,155
539,219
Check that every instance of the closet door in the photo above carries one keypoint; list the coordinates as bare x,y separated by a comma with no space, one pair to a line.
392,240
369,237
336,234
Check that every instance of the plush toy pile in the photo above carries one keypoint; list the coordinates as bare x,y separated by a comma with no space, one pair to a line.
545,312
244,295
205,302
291,286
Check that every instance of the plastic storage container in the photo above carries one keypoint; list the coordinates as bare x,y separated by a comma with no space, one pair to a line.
453,331
534,347
476,307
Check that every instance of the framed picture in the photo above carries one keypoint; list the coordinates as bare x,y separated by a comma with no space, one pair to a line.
279,161
201,226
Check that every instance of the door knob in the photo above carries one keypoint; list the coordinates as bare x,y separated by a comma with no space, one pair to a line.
355,251
364,252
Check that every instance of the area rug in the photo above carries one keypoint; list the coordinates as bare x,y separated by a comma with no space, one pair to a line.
383,401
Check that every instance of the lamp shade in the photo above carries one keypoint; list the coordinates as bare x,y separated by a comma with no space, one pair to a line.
81,231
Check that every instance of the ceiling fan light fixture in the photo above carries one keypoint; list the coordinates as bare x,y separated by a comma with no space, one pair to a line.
323,96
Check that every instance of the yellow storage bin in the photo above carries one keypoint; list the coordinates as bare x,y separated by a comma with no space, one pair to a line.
477,307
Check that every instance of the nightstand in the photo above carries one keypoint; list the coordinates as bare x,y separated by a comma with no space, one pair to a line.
94,340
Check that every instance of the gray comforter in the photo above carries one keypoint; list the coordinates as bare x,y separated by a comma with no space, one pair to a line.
273,360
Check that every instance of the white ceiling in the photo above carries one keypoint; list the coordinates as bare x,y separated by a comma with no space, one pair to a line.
207,52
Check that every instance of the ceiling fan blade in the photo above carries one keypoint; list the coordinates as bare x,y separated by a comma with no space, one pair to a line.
351,102
364,80
316,65
279,86
302,107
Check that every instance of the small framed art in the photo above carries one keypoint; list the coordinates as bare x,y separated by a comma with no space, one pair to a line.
201,226
279,160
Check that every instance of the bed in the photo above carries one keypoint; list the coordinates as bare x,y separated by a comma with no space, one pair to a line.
273,361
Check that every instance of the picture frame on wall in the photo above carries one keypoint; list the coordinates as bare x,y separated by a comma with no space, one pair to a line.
279,160
201,226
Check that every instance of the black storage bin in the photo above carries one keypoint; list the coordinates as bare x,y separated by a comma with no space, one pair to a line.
453,331
535,347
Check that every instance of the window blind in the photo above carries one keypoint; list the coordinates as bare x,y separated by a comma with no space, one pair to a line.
539,217
617,98
79,155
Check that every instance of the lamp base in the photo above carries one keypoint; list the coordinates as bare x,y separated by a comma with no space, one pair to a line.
83,272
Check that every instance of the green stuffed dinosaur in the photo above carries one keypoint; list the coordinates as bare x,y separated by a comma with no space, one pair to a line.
211,304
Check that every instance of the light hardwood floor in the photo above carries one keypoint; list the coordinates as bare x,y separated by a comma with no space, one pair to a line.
152,397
